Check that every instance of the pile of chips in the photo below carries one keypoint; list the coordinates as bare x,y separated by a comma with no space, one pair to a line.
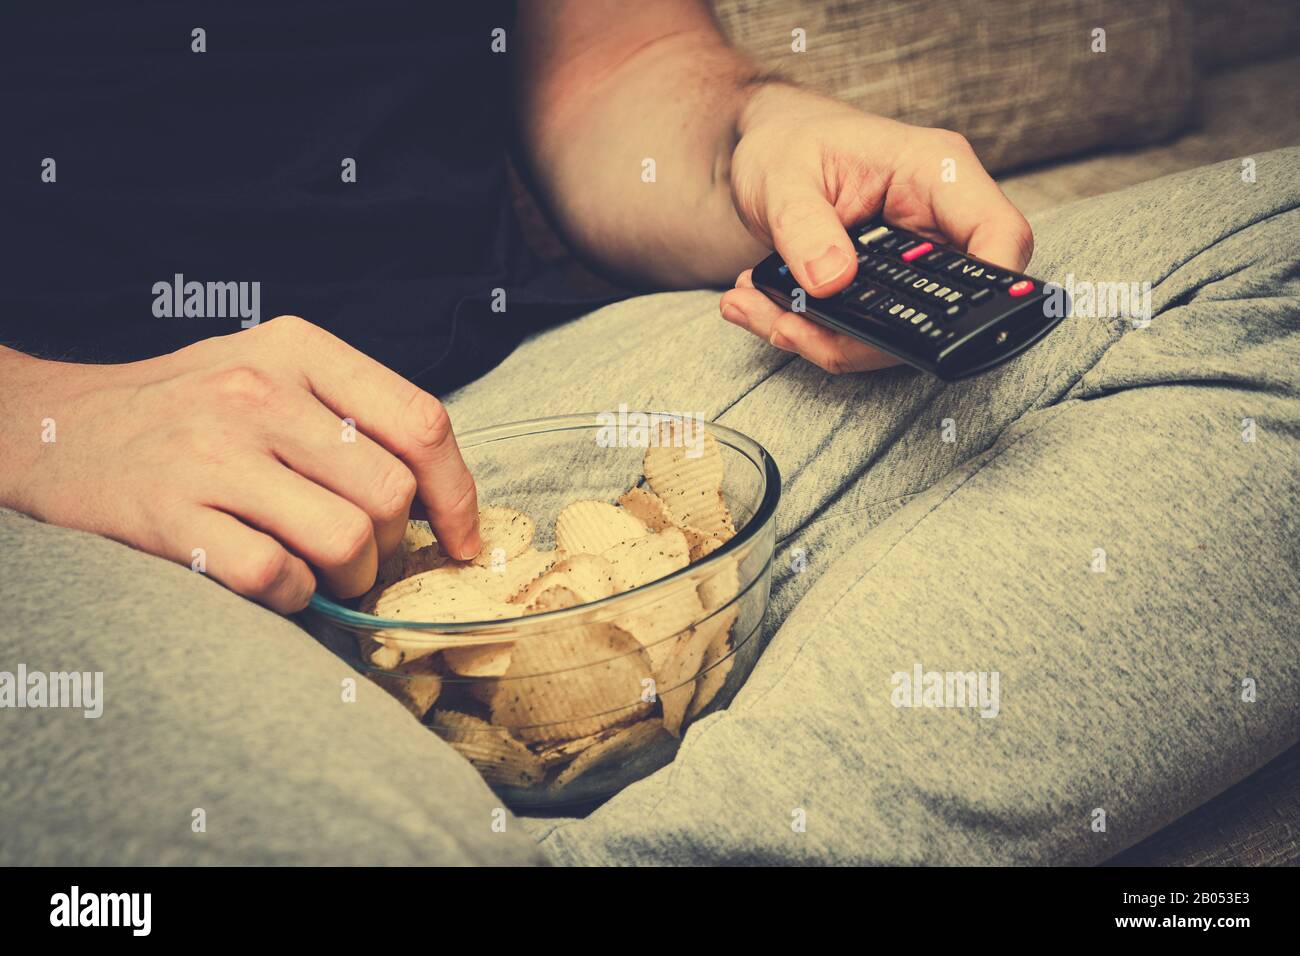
544,709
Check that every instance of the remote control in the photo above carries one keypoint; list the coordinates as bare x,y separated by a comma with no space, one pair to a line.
938,309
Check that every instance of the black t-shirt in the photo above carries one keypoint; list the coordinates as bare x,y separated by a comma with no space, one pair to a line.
160,157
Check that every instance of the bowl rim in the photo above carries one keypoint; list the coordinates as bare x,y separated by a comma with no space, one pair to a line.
767,505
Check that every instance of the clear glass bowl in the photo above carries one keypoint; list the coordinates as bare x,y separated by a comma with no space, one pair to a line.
554,729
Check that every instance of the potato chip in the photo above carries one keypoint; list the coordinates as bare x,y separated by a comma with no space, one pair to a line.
650,558
435,596
499,757
653,513
621,744
590,527
505,533
506,579
719,583
416,685
589,576
670,613
718,659
481,660
685,470
675,676
571,683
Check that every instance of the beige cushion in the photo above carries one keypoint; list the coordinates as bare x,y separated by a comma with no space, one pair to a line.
1017,77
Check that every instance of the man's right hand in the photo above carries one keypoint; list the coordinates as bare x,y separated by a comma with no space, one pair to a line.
237,445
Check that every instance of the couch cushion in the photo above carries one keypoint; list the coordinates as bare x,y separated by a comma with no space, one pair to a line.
1231,33
1017,77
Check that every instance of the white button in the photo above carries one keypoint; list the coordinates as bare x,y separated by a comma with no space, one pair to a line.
867,238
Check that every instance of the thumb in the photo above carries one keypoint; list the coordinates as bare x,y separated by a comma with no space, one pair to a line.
808,234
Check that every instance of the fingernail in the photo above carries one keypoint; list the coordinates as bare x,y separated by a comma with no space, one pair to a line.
778,340
472,546
828,266
734,315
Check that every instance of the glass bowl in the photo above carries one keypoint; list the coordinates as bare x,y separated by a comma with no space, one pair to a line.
563,707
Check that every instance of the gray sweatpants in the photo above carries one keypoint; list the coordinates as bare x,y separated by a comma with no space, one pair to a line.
1107,524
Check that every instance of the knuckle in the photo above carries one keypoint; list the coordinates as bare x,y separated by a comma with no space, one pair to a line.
244,385
263,572
396,492
951,139
428,421
347,539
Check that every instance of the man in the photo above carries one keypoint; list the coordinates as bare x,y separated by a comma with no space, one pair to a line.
358,167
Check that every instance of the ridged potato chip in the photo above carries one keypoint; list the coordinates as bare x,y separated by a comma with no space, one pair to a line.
482,660
650,558
590,527
718,659
653,513
498,756
416,685
572,683
685,471
675,676
589,576
505,533
626,741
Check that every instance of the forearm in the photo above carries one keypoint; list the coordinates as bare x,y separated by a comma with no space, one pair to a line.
631,151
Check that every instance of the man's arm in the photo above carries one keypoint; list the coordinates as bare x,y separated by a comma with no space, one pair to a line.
604,86
741,165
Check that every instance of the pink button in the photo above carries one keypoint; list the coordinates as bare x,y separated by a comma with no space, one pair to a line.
1023,287
917,251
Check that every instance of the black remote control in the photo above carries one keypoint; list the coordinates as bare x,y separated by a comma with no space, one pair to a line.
938,309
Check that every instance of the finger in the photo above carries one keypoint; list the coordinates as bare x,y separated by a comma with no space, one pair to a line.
329,532
247,561
808,233
829,350
406,420
973,213
316,444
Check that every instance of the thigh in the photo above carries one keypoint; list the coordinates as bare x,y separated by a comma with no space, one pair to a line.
214,712
1115,553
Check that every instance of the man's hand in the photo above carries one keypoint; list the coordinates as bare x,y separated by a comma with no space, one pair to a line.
237,445
807,166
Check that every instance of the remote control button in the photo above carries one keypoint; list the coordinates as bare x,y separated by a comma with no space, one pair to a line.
923,316
1023,287
907,313
915,252
953,296
883,305
874,235
937,259
888,243
926,327
980,296
935,332
917,318
896,308
930,287
954,311
868,296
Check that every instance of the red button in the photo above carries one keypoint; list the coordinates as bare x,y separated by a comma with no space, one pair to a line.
1023,287
917,251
